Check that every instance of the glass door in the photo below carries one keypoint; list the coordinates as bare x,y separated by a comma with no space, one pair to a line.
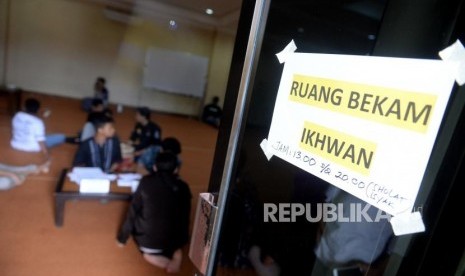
247,242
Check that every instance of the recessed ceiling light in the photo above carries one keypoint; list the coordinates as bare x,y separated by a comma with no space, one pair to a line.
173,25
209,11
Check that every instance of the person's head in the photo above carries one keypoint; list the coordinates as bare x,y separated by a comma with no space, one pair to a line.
171,144
166,162
143,114
216,100
104,126
97,105
100,83
32,106
101,80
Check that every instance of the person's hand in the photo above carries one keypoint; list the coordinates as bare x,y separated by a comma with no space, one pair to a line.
16,179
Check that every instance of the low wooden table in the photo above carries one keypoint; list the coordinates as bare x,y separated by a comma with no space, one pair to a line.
66,190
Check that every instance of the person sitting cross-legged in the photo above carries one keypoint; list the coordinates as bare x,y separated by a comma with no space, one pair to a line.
158,216
212,113
28,131
145,138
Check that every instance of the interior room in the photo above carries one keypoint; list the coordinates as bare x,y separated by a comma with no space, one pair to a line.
53,51
176,56
60,47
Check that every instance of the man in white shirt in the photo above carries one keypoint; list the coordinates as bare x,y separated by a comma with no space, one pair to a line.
29,131
353,243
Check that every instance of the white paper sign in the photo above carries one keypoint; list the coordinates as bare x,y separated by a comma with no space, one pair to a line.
364,124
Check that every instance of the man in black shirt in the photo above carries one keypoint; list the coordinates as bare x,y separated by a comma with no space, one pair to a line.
103,150
101,91
158,217
212,113
146,138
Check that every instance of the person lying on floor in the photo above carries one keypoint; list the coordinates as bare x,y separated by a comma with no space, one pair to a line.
12,176
103,150
158,217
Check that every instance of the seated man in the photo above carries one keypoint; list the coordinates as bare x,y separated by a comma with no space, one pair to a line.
101,91
103,150
96,110
212,113
359,243
146,139
158,217
88,130
29,131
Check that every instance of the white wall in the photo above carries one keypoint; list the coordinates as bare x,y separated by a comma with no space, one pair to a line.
219,67
60,47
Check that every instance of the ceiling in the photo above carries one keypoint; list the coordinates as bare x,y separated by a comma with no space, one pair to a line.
226,12
221,7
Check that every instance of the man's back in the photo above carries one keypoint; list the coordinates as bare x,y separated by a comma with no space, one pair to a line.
163,218
28,130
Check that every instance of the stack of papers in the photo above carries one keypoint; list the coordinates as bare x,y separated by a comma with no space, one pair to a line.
80,173
129,180
98,181
94,186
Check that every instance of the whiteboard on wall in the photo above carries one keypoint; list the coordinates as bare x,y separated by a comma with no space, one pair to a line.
175,72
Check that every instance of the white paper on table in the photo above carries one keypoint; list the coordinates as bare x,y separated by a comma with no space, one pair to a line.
80,173
94,185
129,176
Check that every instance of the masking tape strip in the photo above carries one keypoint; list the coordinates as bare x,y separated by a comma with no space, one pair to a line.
456,53
263,146
407,223
284,54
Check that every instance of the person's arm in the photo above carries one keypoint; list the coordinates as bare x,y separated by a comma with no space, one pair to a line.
156,135
139,152
38,130
80,159
88,131
116,157
134,136
185,206
127,227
